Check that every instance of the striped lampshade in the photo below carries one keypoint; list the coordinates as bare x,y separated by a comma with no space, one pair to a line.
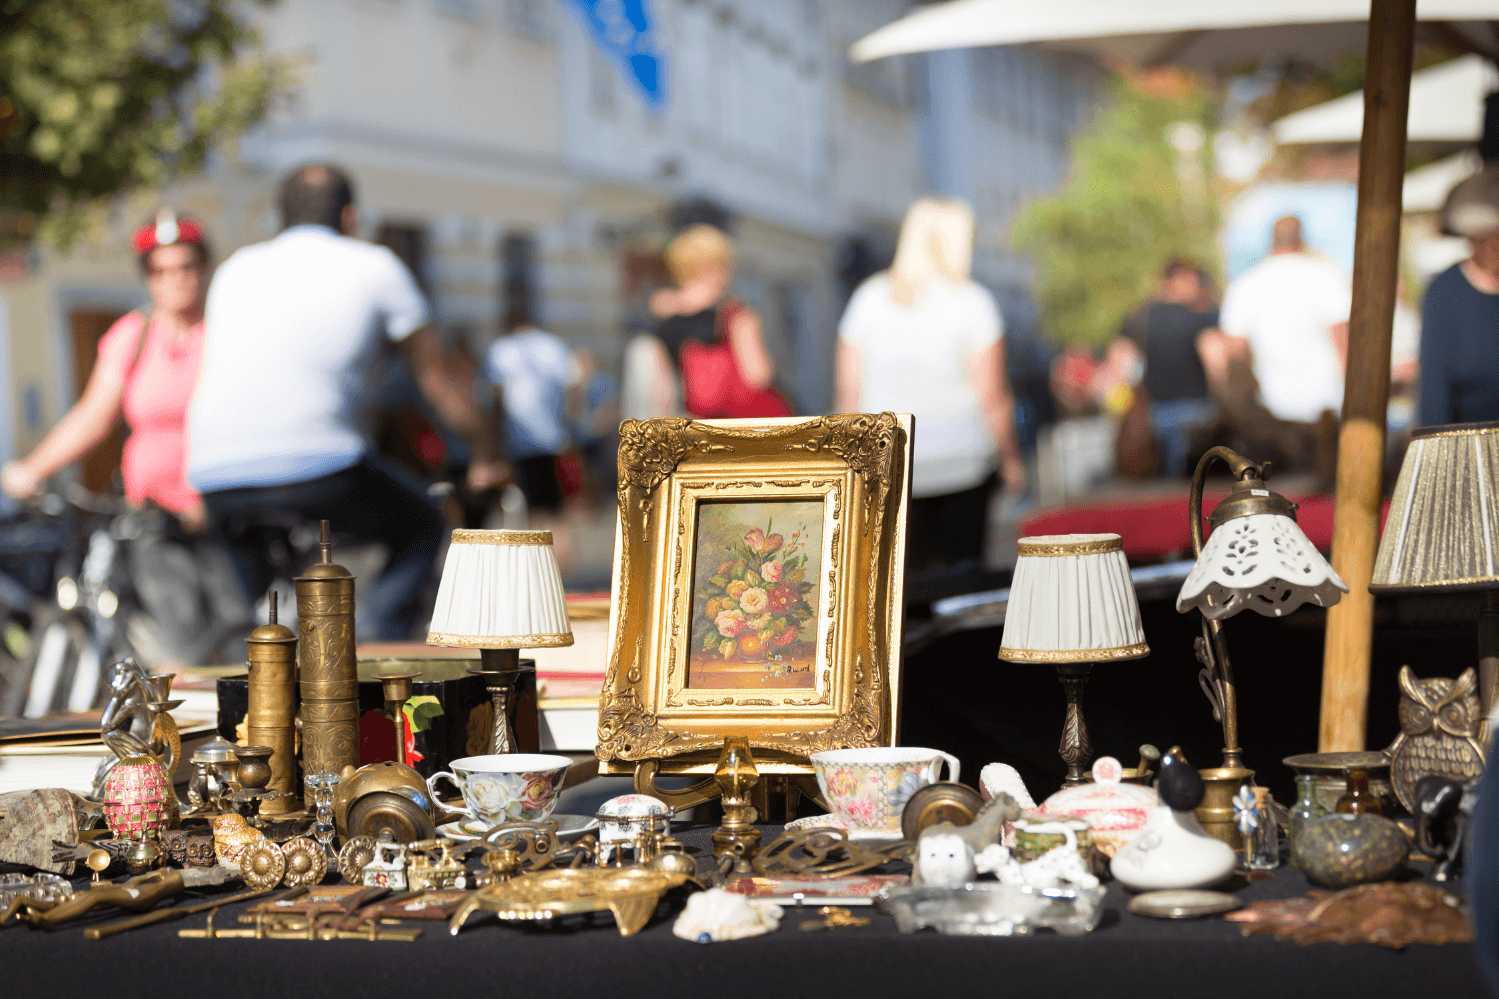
1442,531
1072,601
500,590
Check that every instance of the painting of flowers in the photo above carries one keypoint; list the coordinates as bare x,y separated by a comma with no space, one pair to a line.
754,595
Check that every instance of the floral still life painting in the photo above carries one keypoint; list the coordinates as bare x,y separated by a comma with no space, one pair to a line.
754,595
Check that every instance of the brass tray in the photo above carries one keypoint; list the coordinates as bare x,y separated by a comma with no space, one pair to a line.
631,893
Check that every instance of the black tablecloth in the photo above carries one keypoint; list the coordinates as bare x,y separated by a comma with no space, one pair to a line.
1125,956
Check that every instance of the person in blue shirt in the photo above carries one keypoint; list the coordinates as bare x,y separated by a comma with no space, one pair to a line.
1459,376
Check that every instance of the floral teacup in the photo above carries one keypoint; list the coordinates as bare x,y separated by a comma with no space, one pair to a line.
506,787
867,789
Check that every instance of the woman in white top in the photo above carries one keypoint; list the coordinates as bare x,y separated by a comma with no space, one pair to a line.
924,338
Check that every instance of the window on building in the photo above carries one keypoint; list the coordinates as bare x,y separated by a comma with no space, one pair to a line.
518,286
407,241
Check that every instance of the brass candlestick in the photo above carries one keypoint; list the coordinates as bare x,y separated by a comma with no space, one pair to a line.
736,839
500,670
397,690
330,677
272,715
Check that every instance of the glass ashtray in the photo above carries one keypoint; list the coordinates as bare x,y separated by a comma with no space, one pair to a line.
993,909
38,887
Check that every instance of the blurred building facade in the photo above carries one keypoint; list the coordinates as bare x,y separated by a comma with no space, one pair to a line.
503,149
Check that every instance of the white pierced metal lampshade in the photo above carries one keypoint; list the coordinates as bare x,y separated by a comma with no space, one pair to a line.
500,590
1072,601
1261,562
1442,532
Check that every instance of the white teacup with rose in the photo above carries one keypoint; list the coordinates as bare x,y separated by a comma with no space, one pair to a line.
506,787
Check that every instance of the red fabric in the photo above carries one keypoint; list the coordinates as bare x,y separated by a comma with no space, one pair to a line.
1157,528
715,387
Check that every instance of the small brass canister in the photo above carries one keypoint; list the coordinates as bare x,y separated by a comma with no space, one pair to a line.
272,716
330,676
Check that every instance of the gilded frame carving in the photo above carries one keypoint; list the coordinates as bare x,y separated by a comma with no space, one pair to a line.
857,467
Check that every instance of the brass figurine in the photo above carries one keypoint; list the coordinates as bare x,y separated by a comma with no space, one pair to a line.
737,839
1439,732
272,715
397,690
325,652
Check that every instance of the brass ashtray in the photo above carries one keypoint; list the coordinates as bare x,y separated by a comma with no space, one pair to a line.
631,893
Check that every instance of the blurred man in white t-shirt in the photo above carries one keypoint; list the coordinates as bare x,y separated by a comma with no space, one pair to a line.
1292,308
293,328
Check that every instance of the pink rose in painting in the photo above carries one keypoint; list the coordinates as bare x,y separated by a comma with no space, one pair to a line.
730,622
759,543
771,571
754,600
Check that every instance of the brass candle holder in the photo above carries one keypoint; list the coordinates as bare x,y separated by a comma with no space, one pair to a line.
736,840
397,690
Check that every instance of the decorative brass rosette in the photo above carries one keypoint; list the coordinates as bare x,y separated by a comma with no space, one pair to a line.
306,864
356,853
263,865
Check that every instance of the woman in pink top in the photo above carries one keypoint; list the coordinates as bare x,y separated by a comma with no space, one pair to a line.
147,373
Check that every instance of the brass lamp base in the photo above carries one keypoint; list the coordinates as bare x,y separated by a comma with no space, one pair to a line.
1216,812
1076,748
501,669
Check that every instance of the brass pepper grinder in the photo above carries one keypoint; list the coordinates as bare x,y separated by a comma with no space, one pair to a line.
330,674
272,716
397,690
737,839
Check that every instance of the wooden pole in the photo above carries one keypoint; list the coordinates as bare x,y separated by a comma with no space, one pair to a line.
1361,440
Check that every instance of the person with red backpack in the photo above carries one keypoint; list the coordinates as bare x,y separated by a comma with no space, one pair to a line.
714,339
147,367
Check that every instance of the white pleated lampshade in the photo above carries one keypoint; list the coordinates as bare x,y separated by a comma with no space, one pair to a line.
1260,562
1442,532
1072,601
500,590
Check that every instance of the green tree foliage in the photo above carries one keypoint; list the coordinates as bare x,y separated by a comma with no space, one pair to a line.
101,97
1131,204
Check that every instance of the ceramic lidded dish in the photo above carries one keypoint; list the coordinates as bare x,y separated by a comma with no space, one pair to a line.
1116,812
623,818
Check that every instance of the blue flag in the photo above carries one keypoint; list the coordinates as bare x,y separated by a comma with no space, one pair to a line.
625,31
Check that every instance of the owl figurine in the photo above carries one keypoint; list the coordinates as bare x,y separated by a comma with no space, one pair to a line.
1439,720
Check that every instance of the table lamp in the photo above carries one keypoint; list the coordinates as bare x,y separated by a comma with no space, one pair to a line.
1256,558
501,592
1072,604
1442,532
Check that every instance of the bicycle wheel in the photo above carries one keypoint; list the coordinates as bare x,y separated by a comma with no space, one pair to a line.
62,645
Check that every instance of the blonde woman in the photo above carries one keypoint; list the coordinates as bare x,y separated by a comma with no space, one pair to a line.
924,338
712,338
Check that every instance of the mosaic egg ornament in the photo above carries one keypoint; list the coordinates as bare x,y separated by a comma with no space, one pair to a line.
138,799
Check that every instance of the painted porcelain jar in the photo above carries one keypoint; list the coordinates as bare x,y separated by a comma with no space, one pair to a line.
139,802
1115,811
622,819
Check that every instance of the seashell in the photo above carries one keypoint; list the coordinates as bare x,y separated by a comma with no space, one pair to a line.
997,777
716,915
33,824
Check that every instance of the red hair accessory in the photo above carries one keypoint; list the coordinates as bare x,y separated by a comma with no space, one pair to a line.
166,230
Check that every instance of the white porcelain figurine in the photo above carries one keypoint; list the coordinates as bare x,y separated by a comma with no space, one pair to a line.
1172,851
716,915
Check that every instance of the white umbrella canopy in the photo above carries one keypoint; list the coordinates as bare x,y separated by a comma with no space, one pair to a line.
1446,106
1206,34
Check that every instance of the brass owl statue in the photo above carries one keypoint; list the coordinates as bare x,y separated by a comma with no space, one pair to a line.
1439,719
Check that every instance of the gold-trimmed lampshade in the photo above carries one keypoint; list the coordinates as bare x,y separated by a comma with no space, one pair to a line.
1442,531
500,590
1072,601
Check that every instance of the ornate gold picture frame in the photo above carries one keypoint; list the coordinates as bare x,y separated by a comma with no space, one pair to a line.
758,588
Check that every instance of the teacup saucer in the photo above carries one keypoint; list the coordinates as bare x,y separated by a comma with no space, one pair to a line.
568,827
833,822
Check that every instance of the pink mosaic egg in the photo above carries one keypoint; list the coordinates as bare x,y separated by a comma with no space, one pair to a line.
138,799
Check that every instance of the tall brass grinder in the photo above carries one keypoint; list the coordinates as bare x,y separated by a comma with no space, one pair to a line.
330,674
272,716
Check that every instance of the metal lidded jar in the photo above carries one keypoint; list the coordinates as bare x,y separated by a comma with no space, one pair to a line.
330,676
